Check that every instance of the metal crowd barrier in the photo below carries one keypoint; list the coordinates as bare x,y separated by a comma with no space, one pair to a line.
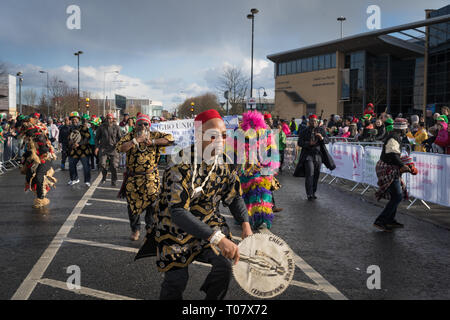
9,154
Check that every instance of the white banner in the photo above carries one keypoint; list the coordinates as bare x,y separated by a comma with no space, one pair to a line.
371,157
349,160
182,131
430,184
323,168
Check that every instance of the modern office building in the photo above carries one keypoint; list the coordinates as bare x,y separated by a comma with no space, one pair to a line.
8,94
384,67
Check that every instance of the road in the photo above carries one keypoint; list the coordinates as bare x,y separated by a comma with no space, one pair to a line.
332,238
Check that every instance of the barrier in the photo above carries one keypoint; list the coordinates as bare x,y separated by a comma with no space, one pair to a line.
349,161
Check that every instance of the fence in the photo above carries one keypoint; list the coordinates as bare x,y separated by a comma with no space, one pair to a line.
9,154
356,161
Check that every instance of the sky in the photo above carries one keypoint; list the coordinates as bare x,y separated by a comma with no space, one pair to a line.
169,50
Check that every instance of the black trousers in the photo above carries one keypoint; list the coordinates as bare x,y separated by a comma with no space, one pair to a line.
312,174
215,285
39,177
135,219
64,155
281,159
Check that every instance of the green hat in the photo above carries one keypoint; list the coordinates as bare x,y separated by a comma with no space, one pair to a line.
442,118
86,116
74,114
389,121
96,121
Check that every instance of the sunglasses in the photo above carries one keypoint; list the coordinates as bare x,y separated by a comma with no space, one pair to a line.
216,135
143,124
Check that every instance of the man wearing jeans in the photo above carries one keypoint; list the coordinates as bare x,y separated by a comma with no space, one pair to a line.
79,150
389,170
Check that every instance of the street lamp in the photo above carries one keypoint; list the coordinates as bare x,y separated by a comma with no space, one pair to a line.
78,56
341,19
104,88
48,104
259,94
252,17
19,74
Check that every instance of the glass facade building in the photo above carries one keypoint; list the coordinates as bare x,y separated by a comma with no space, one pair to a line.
315,63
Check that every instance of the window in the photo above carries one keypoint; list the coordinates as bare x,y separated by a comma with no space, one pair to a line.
333,60
283,68
289,67
310,64
299,65
321,62
294,66
315,63
304,65
279,69
327,61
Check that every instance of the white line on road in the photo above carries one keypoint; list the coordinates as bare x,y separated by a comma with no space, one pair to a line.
323,285
107,200
30,282
91,216
84,291
106,188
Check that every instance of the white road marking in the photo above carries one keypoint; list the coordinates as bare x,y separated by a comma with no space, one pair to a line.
107,200
84,291
106,188
323,285
106,218
30,282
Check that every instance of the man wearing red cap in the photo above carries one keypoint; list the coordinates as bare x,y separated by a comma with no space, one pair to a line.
310,160
141,180
106,138
189,226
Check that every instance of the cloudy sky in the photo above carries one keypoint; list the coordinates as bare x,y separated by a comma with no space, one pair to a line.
167,50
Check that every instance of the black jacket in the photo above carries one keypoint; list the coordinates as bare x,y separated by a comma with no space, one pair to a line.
304,141
64,133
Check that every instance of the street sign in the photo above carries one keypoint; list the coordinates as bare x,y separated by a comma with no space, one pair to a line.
251,102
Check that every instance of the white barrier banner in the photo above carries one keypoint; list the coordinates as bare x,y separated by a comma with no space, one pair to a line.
349,161
371,157
430,184
323,168
182,131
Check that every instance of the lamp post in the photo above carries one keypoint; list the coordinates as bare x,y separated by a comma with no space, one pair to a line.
252,17
19,74
259,94
104,88
46,100
78,56
341,19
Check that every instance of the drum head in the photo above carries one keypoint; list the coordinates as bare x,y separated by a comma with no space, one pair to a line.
266,267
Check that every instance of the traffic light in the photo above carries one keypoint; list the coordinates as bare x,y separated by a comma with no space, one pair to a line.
192,106
87,103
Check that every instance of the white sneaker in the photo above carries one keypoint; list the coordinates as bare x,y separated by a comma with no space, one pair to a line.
88,184
74,182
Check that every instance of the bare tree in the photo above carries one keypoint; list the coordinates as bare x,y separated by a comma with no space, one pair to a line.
29,97
234,81
202,103
3,69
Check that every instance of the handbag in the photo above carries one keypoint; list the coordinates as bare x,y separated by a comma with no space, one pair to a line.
327,159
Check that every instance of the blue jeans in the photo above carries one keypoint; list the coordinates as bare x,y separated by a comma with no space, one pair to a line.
388,214
73,168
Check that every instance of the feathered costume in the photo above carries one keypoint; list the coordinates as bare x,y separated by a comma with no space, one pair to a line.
36,161
257,169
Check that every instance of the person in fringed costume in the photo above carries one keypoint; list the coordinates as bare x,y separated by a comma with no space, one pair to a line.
37,160
257,169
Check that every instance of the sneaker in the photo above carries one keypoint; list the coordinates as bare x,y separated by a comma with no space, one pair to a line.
103,181
88,184
382,227
310,198
73,182
314,196
395,224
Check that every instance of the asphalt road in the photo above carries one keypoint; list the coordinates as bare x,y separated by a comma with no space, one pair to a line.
333,240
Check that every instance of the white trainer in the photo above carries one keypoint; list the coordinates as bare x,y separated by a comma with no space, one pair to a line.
88,184
74,182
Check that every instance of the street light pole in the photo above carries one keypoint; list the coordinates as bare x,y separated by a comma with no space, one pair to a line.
259,94
19,74
252,17
78,56
342,19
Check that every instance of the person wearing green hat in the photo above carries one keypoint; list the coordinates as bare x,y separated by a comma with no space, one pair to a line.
389,124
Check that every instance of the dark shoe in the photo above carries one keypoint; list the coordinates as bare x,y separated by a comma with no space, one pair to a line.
395,225
276,209
314,196
103,181
310,198
113,184
382,227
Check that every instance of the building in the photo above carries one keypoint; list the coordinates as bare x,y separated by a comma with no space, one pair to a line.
8,94
342,76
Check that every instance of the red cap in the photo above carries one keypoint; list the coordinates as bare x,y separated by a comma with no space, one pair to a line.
208,115
370,105
36,115
110,115
143,118
313,116
267,116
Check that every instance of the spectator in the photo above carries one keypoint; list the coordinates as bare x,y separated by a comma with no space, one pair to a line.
420,136
63,140
53,133
381,131
441,143
369,133
293,126
282,145
444,111
353,129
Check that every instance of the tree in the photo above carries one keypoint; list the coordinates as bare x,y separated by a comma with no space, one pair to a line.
3,69
29,97
202,103
234,81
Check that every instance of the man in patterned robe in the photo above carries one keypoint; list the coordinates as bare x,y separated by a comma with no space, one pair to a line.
188,223
141,180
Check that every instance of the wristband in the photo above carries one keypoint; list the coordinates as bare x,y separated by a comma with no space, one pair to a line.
217,237
135,141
